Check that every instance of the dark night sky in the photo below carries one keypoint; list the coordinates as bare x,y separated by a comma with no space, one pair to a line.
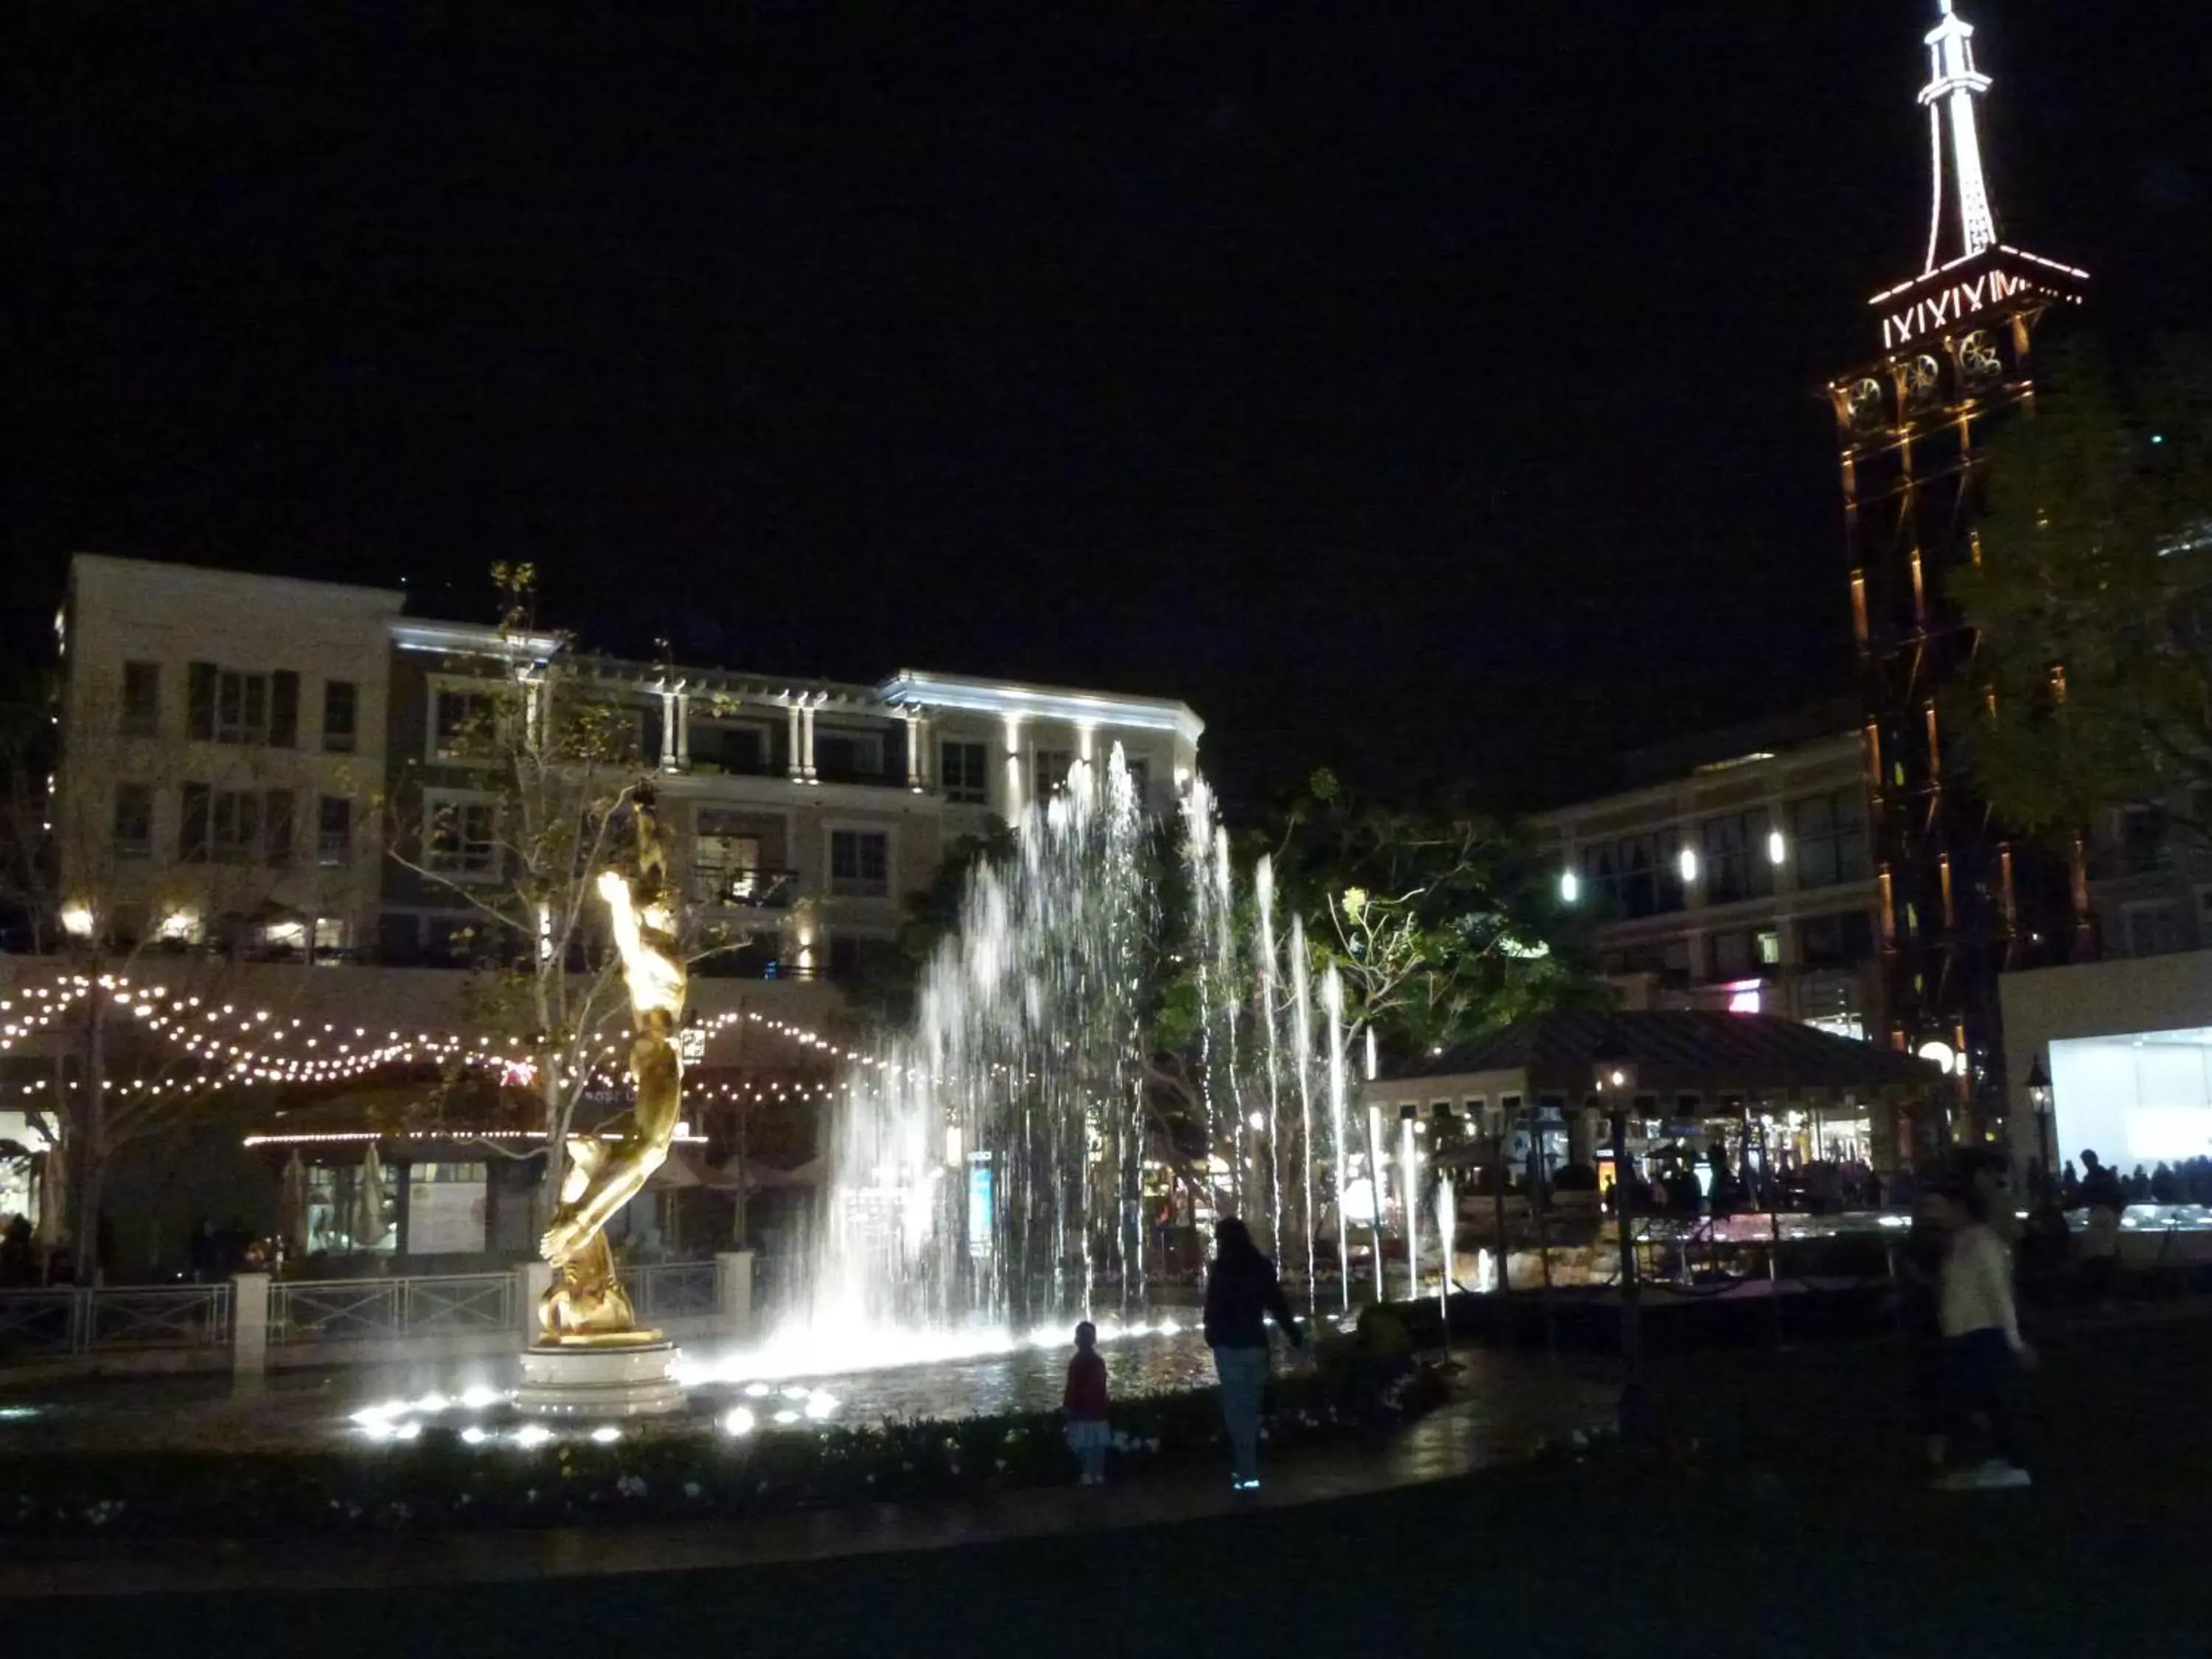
1430,389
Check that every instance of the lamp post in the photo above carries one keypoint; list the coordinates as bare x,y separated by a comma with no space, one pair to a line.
1613,1072
2038,1101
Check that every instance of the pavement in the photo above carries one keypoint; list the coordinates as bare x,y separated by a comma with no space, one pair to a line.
1783,1515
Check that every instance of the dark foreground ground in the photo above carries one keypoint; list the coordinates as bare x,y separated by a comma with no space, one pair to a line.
1798,1527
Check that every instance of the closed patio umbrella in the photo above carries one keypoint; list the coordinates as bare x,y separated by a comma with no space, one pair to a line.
53,1196
368,1203
292,1206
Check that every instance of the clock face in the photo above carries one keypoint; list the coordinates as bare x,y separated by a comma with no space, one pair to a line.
1862,402
1979,359
1924,379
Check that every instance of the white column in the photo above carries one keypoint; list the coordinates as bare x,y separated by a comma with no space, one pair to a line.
249,1324
733,1291
806,740
668,720
683,729
798,767
1012,770
914,752
927,764
532,1280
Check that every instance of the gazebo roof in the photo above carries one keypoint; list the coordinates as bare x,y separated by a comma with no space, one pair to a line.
1680,1051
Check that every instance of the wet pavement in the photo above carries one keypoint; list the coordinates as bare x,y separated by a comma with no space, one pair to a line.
1504,1406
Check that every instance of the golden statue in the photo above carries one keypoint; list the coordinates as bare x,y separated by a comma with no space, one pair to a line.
587,1305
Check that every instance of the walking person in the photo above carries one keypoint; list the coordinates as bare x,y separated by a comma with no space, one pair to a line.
1084,1401
1981,1341
1241,1291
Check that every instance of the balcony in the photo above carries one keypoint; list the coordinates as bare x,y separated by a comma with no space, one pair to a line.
742,890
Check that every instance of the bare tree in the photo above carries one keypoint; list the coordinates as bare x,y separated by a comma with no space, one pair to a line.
529,793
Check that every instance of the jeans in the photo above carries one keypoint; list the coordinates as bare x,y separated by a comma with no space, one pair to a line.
1243,1373
1979,1367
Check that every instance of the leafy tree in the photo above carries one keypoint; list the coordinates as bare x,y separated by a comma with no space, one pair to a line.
1441,926
2092,599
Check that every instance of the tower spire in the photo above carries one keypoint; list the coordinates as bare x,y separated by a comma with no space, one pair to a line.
1954,85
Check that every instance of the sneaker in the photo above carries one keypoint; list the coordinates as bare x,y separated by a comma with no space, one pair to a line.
1994,1476
1252,1485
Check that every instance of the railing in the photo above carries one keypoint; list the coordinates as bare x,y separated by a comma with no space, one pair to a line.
672,1290
90,1321
352,1309
744,889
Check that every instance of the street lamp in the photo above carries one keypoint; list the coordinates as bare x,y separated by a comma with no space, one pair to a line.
2038,1101
1612,1070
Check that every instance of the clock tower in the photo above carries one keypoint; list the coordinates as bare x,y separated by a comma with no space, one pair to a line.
1951,355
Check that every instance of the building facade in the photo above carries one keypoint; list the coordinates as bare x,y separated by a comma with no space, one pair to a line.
304,767
1951,356
1743,882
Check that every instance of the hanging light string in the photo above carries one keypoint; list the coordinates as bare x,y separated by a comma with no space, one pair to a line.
253,1046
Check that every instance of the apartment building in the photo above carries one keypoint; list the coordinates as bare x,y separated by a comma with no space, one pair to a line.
240,753
1738,878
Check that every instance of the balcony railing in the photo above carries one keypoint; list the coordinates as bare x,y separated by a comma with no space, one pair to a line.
743,890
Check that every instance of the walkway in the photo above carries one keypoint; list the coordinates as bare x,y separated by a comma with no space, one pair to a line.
1799,1531
1505,1405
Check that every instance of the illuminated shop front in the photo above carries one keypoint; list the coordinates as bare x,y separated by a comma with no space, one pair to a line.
1762,1091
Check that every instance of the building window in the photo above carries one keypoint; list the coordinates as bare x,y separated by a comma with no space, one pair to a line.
461,836
859,862
1635,875
1832,842
464,725
242,708
2153,930
134,821
1769,947
140,715
728,746
728,869
234,826
1737,866
848,755
1845,940
276,827
964,769
341,701
334,830
1049,768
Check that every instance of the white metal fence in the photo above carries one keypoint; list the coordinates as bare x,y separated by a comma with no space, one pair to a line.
356,1310
84,1321
672,1290
64,1323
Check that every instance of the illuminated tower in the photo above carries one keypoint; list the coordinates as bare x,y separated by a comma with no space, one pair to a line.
1961,900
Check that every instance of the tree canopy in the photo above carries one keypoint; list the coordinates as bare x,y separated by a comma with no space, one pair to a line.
2091,596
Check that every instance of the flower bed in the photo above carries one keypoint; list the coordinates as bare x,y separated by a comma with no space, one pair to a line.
652,1472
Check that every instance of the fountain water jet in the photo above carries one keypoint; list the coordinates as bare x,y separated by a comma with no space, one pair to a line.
989,1164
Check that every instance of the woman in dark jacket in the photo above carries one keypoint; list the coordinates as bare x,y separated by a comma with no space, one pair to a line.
1241,1291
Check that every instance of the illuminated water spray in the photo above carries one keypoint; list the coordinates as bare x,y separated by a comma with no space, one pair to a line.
990,1167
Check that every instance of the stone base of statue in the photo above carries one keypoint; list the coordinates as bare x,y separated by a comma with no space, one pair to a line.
606,1375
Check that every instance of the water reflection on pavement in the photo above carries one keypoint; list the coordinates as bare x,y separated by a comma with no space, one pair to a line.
293,1409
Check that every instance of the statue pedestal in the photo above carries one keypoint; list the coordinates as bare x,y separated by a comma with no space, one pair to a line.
600,1380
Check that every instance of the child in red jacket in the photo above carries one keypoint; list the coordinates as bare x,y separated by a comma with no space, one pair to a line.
1084,1405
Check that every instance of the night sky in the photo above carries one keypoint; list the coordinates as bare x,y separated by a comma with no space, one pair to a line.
1433,391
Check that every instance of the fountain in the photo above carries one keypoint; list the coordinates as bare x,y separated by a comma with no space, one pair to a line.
990,1165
